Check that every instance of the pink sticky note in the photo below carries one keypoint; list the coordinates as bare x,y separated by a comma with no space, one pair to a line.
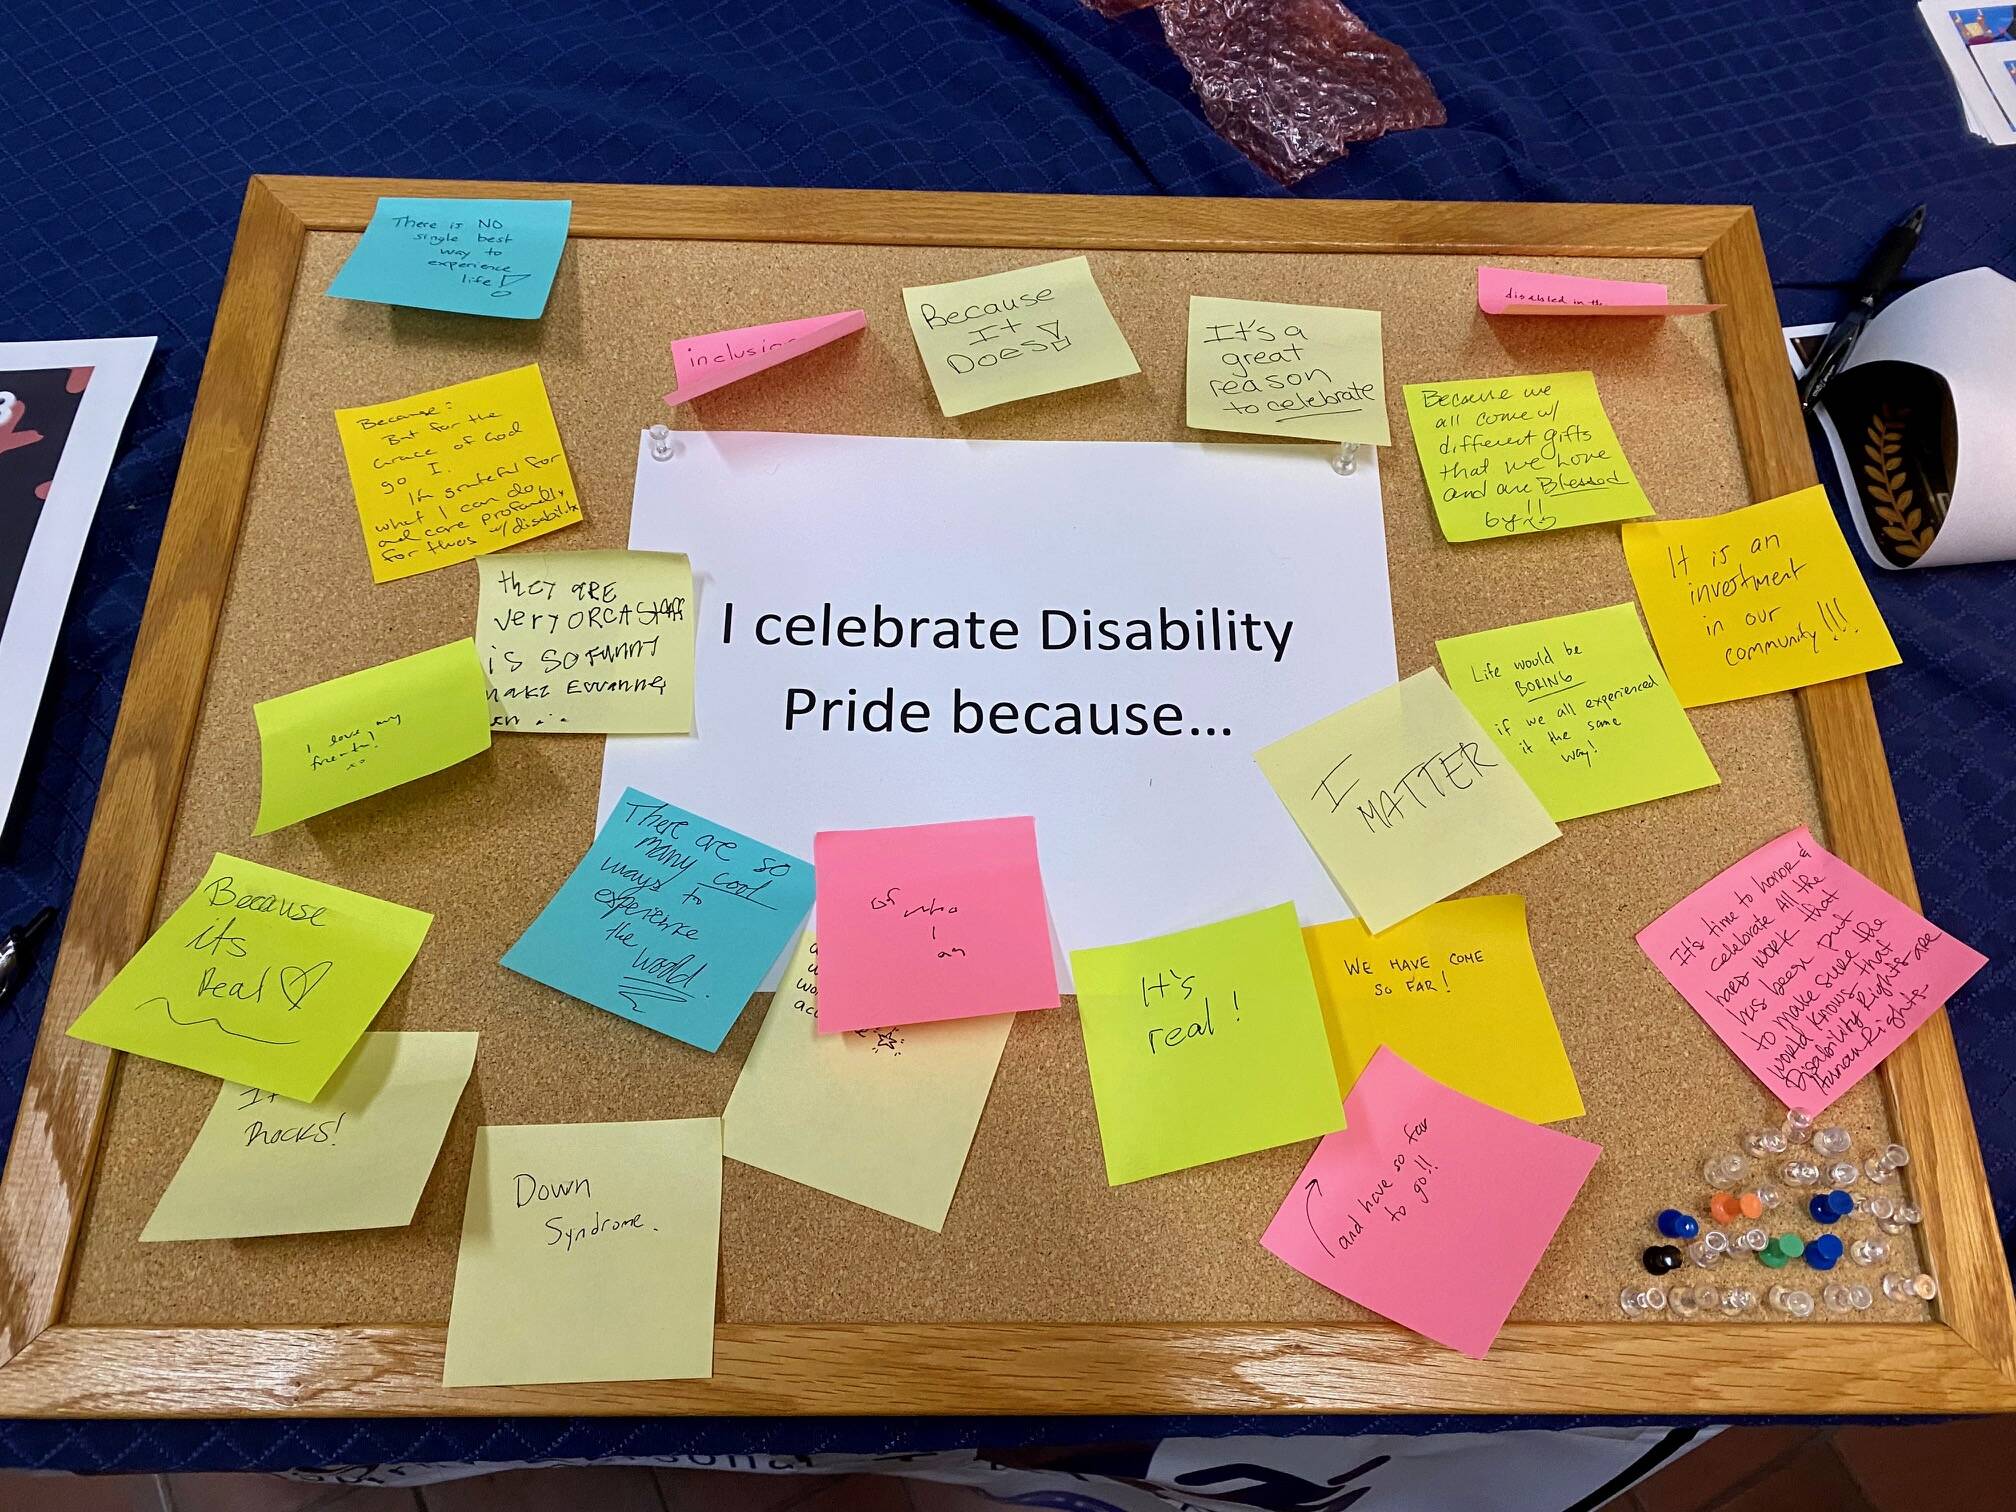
701,364
1805,968
1515,291
930,921
1429,1207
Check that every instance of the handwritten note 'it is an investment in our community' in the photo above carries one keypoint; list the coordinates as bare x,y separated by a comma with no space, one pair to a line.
1286,370
1805,968
469,257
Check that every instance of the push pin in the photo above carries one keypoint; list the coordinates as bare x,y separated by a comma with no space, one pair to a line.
1674,1224
1799,1172
1764,1142
1902,1215
1798,1126
1876,1205
1737,1300
1868,1252
1792,1302
1832,1140
1642,1304
1754,1240
1780,1252
663,447
1722,1170
1921,1287
1692,1301
1882,1167
1830,1207
1344,462
1724,1208
1768,1195
1709,1248
1824,1253
1661,1260
1841,1299
1843,1173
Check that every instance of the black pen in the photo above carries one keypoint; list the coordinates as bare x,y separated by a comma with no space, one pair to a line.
16,949
1888,260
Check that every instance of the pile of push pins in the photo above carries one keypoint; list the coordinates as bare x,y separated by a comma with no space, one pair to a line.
1800,1149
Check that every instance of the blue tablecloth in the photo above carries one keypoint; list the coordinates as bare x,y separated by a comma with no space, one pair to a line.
134,127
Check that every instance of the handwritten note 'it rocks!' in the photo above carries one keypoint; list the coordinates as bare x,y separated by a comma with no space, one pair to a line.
1430,1208
703,364
670,921
1404,798
450,474
1578,704
260,977
589,1253
353,736
1287,370
588,642
470,257
1510,456
931,921
986,341
1805,968
1758,600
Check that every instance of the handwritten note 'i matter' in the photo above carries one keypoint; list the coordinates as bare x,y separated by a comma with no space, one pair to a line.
1286,370
1805,968
466,256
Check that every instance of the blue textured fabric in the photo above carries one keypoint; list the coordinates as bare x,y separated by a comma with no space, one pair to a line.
133,128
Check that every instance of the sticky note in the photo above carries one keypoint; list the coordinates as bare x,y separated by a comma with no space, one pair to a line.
1287,370
931,921
1521,291
455,472
702,364
587,642
1204,1044
880,1117
260,977
1430,1208
589,1253
1757,600
1506,456
1579,706
670,921
353,736
986,341
1404,798
466,256
1806,969
356,1157
1455,991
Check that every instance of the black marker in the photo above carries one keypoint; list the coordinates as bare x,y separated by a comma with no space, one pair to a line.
16,949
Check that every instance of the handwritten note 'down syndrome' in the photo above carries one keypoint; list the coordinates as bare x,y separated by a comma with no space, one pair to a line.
1805,968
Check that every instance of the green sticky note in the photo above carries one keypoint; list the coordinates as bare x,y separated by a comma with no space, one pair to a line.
353,736
1205,1044
1581,707
260,977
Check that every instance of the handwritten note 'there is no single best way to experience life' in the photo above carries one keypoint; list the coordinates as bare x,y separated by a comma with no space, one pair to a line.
469,257
1286,370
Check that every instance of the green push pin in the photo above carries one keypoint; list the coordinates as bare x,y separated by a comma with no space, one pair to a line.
1769,1256
1788,1247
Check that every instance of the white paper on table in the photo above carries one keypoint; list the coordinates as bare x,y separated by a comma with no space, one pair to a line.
1985,112
1137,834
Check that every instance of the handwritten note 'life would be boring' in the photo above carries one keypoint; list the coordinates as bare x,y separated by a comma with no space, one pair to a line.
1805,968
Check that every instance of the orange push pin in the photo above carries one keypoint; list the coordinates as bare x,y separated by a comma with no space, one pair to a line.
1752,1205
1724,1208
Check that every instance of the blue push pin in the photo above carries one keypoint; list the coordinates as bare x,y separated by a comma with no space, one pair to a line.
1675,1224
1830,1207
1824,1253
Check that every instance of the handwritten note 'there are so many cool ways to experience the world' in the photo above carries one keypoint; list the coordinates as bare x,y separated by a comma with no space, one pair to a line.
669,921
260,977
1204,1044
1805,968
1005,336
455,472
353,736
588,642
589,1253
1758,600
1404,798
1286,370
1510,456
469,257
1430,1208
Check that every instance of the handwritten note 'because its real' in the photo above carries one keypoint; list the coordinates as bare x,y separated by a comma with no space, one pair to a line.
469,257
1510,456
450,474
669,921
1805,968
1286,370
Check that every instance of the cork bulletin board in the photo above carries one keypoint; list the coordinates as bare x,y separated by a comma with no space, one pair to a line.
1048,1290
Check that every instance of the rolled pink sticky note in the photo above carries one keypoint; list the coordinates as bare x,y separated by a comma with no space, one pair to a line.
702,364
1516,291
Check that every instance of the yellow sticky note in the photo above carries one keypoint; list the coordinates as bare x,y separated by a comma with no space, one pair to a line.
1510,456
1580,707
881,1117
1205,1044
1455,993
455,472
588,642
1757,600
588,1253
1287,370
1404,798
352,736
357,1157
260,977
986,341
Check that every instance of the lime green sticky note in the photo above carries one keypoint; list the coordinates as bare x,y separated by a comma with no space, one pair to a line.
1205,1044
1580,705
1510,456
1286,370
260,977
357,1157
353,736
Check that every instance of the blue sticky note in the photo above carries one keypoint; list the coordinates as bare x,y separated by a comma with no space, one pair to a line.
470,256
669,920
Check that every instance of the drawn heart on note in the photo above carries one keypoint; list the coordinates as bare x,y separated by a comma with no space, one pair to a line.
296,982
1545,522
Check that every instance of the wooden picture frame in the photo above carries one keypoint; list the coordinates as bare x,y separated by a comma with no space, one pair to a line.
1964,1361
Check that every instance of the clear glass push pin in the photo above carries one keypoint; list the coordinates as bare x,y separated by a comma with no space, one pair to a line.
664,446
1832,1140
1709,1248
1791,1301
1769,1195
1876,1205
1843,1173
1642,1304
1901,1215
1837,1298
1344,461
1918,1288
1722,1170
1737,1300
1692,1301
1762,1142
1751,1241
1868,1252
1859,1297
1886,1165
1798,1126
1799,1172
